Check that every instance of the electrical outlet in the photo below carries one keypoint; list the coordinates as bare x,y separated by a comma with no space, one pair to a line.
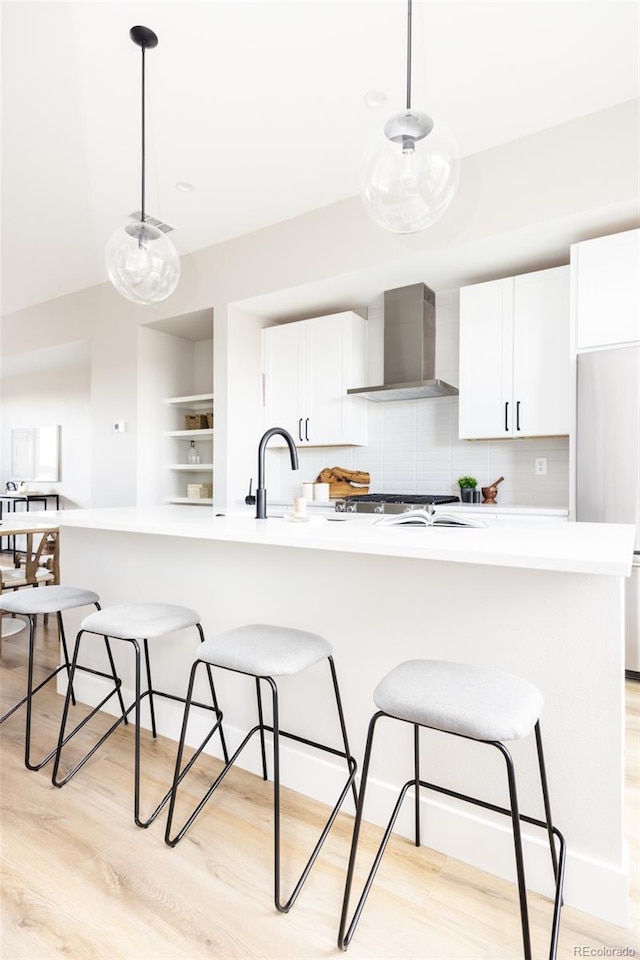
119,427
540,467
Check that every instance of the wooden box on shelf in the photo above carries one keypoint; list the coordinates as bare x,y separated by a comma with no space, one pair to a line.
198,491
197,421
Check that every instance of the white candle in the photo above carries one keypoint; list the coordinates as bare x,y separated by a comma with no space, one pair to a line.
299,507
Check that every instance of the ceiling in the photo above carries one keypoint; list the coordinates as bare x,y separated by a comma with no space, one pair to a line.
261,107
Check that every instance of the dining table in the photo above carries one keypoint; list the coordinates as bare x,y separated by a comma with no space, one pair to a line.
22,566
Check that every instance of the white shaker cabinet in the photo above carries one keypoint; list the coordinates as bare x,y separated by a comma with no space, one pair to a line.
606,290
514,357
308,367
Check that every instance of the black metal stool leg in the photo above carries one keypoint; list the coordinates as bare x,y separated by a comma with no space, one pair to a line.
261,725
28,699
62,739
558,862
152,709
545,797
343,726
116,681
27,743
351,765
557,906
180,774
136,744
214,699
177,775
276,796
65,709
63,641
416,789
517,842
346,933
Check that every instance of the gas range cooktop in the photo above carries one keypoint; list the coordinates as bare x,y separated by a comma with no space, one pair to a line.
390,502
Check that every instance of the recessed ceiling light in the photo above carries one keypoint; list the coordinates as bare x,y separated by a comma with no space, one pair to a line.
184,187
375,99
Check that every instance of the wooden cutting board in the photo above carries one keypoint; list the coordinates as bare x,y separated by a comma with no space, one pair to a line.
344,489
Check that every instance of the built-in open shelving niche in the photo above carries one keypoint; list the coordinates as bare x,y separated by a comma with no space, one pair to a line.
194,403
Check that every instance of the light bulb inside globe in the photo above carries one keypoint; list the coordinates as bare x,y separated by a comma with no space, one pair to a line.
142,263
411,172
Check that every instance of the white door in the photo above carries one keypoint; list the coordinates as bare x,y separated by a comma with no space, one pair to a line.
608,289
281,371
486,360
541,367
323,420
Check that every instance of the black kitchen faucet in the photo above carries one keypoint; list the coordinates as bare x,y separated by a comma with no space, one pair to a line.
261,493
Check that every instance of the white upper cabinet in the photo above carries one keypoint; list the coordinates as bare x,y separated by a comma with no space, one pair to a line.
541,357
514,357
307,368
606,290
486,358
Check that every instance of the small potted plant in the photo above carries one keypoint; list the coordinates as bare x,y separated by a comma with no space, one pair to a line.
467,487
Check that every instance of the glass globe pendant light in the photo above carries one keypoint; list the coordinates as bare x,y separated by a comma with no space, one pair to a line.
142,262
411,167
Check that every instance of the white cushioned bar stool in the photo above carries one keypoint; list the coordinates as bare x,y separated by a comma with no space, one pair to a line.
133,623
265,651
477,703
29,603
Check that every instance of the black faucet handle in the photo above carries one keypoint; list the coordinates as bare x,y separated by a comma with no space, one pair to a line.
250,498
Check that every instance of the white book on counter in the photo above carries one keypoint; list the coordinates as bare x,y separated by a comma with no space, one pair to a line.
426,518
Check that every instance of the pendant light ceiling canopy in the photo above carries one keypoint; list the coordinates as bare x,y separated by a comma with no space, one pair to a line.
142,262
411,167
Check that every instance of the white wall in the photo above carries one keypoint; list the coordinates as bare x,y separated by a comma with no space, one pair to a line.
240,424
58,396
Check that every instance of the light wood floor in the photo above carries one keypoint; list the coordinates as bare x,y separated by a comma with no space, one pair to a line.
80,881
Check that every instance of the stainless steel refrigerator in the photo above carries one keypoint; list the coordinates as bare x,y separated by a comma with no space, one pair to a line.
608,461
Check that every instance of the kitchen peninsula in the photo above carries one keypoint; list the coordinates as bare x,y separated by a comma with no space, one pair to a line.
544,601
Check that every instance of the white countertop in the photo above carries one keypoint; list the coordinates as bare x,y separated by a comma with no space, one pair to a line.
595,548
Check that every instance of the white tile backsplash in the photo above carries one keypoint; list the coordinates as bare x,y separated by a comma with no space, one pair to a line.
413,445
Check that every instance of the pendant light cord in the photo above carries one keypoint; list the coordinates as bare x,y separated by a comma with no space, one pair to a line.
142,212
409,13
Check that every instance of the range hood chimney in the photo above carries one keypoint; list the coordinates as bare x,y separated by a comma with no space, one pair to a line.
409,348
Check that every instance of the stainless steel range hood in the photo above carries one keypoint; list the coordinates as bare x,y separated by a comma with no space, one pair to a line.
409,348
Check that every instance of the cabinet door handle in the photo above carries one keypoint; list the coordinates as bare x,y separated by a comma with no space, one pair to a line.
518,415
506,416
306,428
300,429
